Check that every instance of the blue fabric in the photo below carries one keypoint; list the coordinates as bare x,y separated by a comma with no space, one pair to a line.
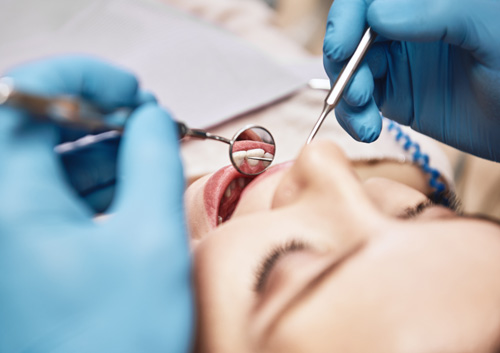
434,67
69,283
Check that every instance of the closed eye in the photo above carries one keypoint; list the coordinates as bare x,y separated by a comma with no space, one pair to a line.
271,259
453,203
412,212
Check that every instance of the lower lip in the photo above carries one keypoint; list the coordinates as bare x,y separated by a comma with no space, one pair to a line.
215,188
217,184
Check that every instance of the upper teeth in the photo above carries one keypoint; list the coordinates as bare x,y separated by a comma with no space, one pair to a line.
240,156
267,155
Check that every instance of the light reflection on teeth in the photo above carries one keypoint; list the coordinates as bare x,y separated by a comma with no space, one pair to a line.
230,189
231,197
258,152
240,156
267,155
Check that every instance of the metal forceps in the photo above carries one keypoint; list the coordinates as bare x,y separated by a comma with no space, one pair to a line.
251,150
333,97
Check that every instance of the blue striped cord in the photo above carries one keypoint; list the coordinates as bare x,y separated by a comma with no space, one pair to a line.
421,159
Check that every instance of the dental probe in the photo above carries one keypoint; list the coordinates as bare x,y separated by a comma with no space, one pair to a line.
333,97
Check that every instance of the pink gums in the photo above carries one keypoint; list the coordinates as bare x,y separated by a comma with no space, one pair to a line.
251,145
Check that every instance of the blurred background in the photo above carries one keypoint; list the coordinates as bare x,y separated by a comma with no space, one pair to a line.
303,20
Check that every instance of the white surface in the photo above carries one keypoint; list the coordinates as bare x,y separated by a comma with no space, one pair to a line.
203,74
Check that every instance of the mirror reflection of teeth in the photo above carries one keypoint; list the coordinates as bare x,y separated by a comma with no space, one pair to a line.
268,156
257,153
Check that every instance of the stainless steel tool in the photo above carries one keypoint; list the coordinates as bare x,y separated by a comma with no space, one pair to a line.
335,94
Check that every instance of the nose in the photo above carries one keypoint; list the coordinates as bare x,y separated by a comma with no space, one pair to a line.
323,175
321,167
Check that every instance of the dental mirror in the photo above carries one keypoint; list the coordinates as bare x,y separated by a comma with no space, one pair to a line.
252,150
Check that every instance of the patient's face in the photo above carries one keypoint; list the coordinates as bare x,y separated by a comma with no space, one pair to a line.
314,260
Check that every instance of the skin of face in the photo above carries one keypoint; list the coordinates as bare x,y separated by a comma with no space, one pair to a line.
367,279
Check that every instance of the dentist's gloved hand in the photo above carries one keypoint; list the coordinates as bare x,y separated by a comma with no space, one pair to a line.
435,67
69,283
91,171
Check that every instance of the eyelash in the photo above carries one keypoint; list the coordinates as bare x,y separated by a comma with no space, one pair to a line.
265,267
413,212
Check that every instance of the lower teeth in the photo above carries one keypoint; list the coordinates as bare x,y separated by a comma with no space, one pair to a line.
230,198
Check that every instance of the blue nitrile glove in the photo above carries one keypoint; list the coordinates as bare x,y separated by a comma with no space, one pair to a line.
436,68
91,171
69,283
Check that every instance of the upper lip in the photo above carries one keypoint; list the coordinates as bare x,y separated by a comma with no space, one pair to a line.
217,184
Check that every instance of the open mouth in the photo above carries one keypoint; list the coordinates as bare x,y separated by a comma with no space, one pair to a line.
222,193
230,198
223,190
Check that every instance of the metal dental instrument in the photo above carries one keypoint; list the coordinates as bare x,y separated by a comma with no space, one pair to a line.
250,138
335,94
63,110
73,112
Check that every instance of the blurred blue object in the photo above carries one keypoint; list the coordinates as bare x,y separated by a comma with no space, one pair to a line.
91,171
435,67
69,283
